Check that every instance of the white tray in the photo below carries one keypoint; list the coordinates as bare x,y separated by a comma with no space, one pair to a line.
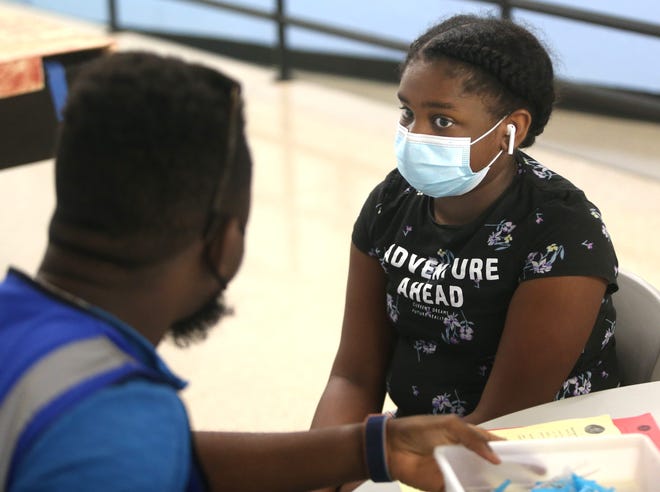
628,462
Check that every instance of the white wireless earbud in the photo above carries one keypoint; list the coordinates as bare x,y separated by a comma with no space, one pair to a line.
511,132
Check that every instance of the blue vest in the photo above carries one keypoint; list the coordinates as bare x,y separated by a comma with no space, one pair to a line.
54,352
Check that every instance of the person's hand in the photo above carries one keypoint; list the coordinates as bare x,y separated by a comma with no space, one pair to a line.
410,442
349,487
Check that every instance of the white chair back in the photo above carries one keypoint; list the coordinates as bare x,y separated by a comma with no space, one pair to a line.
637,331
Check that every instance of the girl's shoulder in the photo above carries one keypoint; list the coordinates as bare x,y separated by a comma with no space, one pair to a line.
549,190
541,176
391,191
391,202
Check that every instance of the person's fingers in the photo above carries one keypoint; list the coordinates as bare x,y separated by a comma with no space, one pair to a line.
411,442
475,440
348,487
489,435
425,474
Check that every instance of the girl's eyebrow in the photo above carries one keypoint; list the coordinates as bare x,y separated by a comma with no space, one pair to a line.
429,104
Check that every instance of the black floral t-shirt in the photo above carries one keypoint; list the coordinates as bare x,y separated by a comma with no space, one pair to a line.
449,287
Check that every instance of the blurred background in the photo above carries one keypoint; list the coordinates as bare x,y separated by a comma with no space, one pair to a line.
608,43
320,88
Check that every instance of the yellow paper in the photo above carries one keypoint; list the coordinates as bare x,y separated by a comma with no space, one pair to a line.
407,488
590,426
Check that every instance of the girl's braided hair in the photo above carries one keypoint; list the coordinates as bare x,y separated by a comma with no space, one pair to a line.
495,58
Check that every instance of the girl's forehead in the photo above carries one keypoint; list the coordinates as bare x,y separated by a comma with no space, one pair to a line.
436,85
433,76
450,67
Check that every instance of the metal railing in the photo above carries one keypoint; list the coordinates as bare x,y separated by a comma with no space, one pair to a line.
283,53
571,13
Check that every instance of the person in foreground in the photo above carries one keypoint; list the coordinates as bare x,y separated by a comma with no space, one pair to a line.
479,281
153,194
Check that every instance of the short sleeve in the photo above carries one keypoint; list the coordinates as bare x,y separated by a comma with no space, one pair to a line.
570,238
380,200
133,436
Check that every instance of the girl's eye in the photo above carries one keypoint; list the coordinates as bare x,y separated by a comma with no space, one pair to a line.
442,122
406,114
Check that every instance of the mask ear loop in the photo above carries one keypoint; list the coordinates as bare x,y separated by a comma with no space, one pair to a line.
216,218
489,131
511,132
215,215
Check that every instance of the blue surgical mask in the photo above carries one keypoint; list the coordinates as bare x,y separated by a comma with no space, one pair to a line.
439,166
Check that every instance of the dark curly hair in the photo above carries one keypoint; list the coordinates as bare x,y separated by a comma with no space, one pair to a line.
141,152
496,58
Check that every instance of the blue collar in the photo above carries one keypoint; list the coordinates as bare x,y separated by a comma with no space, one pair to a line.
125,335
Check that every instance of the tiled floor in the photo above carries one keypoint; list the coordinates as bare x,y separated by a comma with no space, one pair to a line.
318,151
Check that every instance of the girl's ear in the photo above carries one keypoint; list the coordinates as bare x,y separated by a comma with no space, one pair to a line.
517,127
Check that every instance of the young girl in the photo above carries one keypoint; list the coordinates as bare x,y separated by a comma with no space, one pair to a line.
479,280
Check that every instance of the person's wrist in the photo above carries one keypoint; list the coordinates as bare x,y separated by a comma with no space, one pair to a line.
376,447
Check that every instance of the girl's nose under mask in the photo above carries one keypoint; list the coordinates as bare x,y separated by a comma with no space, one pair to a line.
439,166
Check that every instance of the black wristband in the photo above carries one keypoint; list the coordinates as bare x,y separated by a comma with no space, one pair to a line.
375,448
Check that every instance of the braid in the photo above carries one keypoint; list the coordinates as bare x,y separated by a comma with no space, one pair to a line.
498,58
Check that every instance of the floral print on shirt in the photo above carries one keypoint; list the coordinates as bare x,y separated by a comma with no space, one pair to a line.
609,333
542,262
445,256
501,237
539,169
575,386
378,254
444,403
424,347
392,309
456,329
